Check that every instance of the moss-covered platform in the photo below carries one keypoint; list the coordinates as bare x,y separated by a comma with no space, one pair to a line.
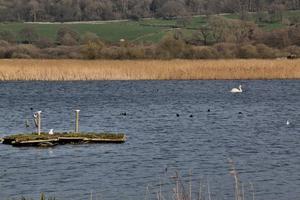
47,140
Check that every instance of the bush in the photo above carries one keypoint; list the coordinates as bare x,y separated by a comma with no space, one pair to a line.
17,55
136,52
8,36
68,40
264,51
169,47
4,43
28,35
247,51
293,50
149,51
2,52
67,36
226,50
171,9
277,38
112,52
201,52
44,43
92,49
89,37
261,16
294,19
6,52
294,35
26,51
62,52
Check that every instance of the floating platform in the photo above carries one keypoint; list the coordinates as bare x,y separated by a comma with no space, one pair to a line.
47,140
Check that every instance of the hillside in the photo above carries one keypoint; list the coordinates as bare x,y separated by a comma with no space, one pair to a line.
87,10
144,30
218,36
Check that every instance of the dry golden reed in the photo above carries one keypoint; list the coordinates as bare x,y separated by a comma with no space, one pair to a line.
63,70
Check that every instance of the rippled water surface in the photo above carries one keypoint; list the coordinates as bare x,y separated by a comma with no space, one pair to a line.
249,128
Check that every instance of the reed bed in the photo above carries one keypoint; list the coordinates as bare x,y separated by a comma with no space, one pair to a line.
69,70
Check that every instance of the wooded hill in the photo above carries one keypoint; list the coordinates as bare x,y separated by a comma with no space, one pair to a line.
84,10
189,29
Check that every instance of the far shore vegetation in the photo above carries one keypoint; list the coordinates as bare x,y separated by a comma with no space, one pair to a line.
263,35
64,70
149,40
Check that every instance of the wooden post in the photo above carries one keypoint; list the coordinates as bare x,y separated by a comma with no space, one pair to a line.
77,121
39,122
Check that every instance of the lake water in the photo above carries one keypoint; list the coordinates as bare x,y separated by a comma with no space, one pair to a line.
249,128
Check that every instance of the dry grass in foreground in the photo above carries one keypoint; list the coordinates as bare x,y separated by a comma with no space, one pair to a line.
62,70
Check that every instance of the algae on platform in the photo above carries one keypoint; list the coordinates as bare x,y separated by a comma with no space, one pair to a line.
46,136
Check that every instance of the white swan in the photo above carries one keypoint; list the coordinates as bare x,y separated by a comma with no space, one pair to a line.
51,132
235,90
287,122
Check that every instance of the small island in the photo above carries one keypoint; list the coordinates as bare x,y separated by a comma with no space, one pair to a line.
49,140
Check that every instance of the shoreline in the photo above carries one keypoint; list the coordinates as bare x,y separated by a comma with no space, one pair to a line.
92,70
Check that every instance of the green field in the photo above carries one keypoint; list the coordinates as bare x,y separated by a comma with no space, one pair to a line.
108,32
147,30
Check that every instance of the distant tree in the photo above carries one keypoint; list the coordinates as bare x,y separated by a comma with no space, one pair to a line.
105,10
92,49
172,9
170,47
247,51
140,9
155,5
276,38
34,8
73,10
89,37
8,36
28,35
294,35
25,51
44,43
242,31
294,20
276,12
293,50
263,51
219,29
226,50
67,36
262,16
68,40
243,9
203,35
193,6
183,21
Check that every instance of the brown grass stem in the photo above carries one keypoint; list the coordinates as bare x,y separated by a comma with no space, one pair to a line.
68,70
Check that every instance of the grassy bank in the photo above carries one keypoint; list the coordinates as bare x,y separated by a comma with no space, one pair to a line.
63,70
144,30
